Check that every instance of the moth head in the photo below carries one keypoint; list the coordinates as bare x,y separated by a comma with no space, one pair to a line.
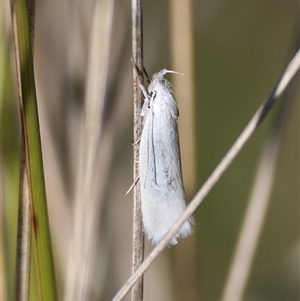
159,77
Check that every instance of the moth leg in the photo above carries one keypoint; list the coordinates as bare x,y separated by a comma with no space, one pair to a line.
147,100
132,185
145,93
136,142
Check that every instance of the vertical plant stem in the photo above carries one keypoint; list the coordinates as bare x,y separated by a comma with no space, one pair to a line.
32,142
25,199
138,235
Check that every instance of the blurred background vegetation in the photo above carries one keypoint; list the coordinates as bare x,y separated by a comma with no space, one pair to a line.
240,49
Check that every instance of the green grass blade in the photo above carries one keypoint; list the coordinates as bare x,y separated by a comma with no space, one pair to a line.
31,132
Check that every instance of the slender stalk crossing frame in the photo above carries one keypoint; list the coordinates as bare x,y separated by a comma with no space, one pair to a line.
257,209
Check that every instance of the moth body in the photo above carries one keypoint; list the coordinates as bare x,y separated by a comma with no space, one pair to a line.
162,191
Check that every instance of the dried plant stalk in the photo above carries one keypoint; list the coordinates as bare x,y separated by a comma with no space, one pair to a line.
138,235
256,211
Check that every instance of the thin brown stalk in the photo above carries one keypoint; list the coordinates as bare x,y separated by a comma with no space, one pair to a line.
138,235
236,148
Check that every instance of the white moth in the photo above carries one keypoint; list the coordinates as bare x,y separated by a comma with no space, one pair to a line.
162,192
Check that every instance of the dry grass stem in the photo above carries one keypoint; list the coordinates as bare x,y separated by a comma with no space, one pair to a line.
137,55
256,211
253,223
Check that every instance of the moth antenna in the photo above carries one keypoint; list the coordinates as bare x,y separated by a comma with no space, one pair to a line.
145,93
165,71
